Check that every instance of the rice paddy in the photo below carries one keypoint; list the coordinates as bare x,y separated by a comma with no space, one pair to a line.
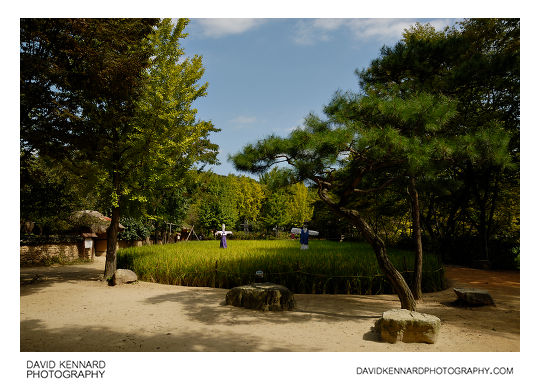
325,268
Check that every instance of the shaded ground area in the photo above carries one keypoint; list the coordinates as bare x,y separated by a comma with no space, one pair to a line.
69,308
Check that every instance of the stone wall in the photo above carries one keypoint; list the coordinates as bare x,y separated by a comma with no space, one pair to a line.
47,253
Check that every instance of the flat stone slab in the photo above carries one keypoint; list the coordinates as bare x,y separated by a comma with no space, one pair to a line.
123,276
408,326
261,296
474,297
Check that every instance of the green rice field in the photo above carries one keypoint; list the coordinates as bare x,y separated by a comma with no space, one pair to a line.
326,268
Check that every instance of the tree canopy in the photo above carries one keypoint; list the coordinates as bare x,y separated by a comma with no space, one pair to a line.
476,64
114,96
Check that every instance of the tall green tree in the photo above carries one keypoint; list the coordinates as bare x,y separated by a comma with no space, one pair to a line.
477,64
167,130
249,196
94,99
414,138
300,204
79,93
274,211
216,204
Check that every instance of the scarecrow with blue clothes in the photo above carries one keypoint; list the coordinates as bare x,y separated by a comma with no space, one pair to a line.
304,235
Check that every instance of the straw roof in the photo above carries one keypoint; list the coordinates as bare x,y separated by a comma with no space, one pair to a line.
91,220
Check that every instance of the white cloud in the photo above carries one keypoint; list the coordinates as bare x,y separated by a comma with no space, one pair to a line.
328,24
243,120
217,28
380,29
288,130
311,31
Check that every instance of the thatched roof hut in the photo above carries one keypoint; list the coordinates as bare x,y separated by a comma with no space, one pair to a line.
89,221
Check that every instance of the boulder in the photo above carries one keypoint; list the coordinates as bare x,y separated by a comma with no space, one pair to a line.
123,276
261,296
408,326
473,297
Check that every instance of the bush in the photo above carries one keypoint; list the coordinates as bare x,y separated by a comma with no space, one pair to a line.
135,229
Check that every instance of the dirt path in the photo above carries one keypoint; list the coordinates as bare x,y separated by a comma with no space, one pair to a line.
68,308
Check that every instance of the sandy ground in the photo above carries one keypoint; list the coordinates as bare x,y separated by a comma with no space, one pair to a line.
68,308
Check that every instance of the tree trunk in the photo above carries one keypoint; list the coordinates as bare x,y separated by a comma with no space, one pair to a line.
484,233
112,233
112,237
390,272
482,201
416,286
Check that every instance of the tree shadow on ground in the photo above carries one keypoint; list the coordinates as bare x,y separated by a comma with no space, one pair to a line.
35,337
200,305
34,279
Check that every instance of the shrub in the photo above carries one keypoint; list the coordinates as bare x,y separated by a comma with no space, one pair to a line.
135,229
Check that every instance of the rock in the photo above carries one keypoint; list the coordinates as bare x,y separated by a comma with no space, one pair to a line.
474,297
261,296
408,326
123,276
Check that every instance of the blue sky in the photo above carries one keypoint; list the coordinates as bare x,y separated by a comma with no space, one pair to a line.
266,75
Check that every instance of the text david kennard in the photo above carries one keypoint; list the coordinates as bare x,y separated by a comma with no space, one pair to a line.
65,369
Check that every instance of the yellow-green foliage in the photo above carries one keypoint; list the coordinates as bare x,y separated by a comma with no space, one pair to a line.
326,267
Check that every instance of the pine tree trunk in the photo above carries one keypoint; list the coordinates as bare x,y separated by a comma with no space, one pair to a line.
416,286
390,272
397,281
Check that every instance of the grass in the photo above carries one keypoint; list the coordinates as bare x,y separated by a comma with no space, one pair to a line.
327,267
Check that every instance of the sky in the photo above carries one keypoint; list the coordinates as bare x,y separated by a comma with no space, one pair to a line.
265,75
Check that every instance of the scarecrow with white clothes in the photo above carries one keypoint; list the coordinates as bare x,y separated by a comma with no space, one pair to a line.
223,234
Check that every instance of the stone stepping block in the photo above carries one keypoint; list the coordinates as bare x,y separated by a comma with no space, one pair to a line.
261,296
474,297
123,276
408,326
